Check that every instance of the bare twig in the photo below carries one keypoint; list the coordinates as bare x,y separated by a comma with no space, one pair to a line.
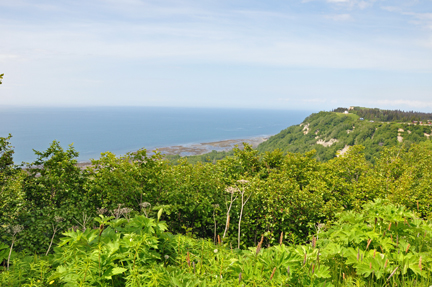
84,222
232,191
243,203
56,228
14,230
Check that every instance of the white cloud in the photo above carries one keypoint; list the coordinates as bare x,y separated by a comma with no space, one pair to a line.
262,14
420,16
209,44
4,57
427,43
340,17
155,34
392,8
421,19
210,36
403,103
364,4
283,99
315,100
423,16
338,1
361,4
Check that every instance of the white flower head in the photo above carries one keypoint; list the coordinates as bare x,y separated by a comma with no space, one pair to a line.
215,251
16,229
58,218
145,204
102,210
231,189
125,210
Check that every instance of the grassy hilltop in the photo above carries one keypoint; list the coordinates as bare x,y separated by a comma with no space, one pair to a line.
330,133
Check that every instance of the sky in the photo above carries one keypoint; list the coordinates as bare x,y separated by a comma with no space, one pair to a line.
273,54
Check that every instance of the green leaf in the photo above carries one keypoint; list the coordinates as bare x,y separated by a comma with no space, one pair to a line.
159,214
113,271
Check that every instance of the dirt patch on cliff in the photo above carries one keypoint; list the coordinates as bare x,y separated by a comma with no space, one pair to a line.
327,144
305,129
341,152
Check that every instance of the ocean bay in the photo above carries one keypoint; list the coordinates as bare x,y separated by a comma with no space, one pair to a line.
93,130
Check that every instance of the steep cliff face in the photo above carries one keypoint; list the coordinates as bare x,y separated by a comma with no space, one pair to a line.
331,133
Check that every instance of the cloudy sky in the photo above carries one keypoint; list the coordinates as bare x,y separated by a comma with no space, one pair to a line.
276,54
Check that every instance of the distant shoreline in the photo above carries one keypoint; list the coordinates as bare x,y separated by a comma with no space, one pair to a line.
201,148
121,130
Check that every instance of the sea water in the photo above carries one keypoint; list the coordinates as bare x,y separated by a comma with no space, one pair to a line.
123,129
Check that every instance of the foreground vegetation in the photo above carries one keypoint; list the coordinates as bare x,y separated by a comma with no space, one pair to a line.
381,246
250,219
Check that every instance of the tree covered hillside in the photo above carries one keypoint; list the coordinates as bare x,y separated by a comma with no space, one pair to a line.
331,133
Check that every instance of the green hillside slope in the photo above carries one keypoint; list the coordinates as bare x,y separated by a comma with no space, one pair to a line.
330,133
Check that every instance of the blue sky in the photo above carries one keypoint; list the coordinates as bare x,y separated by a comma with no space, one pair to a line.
275,54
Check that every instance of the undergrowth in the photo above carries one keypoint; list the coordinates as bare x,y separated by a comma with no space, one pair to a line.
383,245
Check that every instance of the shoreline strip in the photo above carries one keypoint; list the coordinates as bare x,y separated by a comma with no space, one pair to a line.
201,148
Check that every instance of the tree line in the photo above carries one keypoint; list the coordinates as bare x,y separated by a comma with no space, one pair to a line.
387,115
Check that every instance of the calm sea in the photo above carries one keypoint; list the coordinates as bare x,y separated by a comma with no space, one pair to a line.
123,129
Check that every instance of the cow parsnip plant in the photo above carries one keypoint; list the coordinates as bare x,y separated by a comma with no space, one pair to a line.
384,245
